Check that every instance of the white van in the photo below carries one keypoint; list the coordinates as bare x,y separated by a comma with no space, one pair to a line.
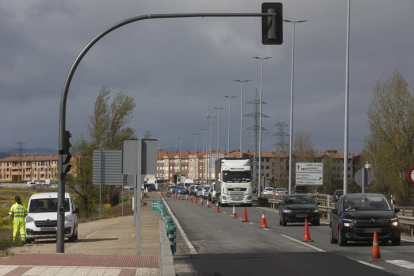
41,221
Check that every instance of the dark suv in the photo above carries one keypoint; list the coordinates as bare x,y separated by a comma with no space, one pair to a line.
297,208
357,216
300,189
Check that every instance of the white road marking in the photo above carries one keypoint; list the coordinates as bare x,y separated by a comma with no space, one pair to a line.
368,264
311,246
401,263
251,223
190,246
270,210
224,212
407,240
267,229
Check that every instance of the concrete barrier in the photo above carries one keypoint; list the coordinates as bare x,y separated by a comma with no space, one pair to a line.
166,260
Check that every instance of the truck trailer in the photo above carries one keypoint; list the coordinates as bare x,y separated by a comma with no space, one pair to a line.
233,185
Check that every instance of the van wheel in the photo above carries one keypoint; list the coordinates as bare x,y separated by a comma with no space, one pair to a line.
74,236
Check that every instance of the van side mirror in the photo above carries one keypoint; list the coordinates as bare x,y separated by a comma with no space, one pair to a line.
76,211
334,211
318,203
397,210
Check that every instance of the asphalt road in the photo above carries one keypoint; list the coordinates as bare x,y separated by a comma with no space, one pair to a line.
226,246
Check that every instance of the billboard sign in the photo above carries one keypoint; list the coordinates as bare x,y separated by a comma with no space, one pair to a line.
309,173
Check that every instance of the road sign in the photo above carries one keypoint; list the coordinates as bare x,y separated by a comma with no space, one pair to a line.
411,175
309,173
359,177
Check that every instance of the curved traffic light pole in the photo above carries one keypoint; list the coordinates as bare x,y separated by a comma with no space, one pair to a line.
64,145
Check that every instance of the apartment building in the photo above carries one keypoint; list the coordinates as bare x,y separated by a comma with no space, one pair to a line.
23,168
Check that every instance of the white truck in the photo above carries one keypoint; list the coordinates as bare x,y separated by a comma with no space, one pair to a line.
233,185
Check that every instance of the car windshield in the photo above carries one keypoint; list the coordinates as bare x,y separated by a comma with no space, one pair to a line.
46,205
299,200
236,176
366,202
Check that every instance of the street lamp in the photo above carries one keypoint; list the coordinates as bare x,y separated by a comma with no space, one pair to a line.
195,155
210,130
181,138
260,124
241,114
218,128
228,128
204,136
291,100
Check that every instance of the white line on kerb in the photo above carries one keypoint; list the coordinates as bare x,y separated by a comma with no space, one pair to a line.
192,249
311,246
368,264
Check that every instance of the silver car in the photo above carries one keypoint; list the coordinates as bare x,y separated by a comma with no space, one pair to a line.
199,191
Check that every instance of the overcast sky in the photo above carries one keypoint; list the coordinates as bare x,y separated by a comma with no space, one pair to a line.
179,69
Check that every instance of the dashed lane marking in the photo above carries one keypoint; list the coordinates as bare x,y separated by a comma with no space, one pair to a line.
311,246
190,246
251,223
401,263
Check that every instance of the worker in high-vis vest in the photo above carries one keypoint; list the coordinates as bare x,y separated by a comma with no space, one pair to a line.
18,212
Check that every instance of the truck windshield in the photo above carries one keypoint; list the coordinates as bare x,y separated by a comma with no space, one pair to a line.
229,176
46,205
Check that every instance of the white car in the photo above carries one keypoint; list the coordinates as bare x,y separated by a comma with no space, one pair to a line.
281,191
41,221
269,191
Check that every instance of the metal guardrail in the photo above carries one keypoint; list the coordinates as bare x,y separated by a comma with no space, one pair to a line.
323,199
166,260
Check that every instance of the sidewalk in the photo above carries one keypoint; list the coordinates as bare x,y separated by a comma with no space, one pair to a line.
105,247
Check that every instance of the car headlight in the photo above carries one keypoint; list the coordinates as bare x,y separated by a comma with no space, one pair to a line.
347,222
394,222
29,219
68,218
287,211
316,211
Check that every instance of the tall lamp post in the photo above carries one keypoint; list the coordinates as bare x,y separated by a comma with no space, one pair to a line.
241,114
204,136
210,127
218,128
345,187
292,77
195,155
228,128
181,138
260,122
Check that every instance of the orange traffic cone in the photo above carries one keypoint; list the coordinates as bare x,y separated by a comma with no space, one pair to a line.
264,224
306,237
376,256
191,199
217,208
245,216
234,212
175,195
208,204
186,197
196,200
201,201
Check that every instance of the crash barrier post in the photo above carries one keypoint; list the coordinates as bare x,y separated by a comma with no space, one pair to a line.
169,227
166,259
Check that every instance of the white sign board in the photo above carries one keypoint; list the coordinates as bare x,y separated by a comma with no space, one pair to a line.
309,173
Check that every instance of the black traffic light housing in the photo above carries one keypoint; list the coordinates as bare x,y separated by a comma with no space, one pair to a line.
66,156
272,26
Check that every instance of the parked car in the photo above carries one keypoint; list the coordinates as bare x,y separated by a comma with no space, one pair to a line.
206,190
268,191
171,188
199,191
181,190
357,216
300,189
41,221
150,186
297,208
281,191
337,194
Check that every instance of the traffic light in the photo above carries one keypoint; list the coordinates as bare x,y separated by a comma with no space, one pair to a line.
272,26
66,156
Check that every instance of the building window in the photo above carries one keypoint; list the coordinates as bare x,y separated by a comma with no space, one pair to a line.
267,167
267,175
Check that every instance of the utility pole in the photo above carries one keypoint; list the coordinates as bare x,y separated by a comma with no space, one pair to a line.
228,128
195,155
241,115
20,151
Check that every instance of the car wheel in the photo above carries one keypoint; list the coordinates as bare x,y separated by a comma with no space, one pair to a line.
341,239
332,239
396,241
283,221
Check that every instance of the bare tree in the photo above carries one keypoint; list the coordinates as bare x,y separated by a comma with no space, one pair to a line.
391,124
